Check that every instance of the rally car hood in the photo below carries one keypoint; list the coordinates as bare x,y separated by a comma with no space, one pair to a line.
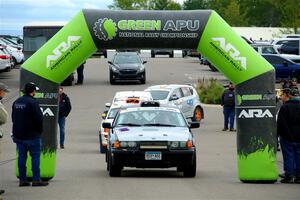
152,133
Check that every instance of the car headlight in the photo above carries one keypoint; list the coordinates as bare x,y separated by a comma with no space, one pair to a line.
114,69
176,144
125,144
142,68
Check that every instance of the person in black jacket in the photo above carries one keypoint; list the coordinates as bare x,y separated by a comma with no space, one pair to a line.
288,129
228,103
27,128
64,110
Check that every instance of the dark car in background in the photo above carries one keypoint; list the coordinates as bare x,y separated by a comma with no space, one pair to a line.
162,52
127,66
285,68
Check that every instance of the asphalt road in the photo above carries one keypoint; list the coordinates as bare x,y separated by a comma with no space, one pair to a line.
81,171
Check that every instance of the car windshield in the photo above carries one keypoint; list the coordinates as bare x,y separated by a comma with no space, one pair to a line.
126,59
112,113
151,117
159,94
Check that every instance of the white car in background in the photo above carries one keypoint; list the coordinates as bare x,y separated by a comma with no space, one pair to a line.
5,62
270,49
16,52
121,99
185,97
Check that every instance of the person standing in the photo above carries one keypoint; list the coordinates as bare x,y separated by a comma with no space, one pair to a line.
3,114
228,103
80,75
288,129
64,110
27,119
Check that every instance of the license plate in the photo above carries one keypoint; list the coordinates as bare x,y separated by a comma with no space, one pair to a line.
152,155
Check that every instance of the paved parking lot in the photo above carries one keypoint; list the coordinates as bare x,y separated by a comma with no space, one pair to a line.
81,170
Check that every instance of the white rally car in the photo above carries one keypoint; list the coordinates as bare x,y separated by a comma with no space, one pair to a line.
185,97
150,136
121,99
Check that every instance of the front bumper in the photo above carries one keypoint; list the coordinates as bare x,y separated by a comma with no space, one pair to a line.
169,158
128,75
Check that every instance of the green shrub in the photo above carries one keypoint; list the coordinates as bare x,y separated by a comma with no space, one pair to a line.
210,91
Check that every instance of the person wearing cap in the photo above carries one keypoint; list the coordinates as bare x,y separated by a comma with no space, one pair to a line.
228,103
288,129
293,83
27,119
63,112
3,114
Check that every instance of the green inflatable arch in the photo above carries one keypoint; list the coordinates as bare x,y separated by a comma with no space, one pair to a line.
203,30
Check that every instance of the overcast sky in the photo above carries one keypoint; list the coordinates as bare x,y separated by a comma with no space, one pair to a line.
14,14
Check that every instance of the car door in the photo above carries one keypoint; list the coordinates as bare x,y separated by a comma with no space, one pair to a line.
176,98
281,66
187,101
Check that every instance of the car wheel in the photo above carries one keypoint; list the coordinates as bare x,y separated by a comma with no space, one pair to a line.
171,54
13,62
111,79
143,81
152,55
105,54
190,170
102,148
198,114
114,170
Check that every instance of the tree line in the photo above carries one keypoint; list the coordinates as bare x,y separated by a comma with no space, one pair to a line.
260,13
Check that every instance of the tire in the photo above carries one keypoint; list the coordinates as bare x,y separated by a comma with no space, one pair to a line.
102,148
190,170
111,79
184,53
105,54
114,170
14,62
198,114
152,55
171,54
143,81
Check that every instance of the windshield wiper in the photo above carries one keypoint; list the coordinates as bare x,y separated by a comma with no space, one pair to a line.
128,124
157,124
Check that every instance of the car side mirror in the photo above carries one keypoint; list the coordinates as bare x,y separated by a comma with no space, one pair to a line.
106,125
144,62
174,98
107,105
194,124
109,62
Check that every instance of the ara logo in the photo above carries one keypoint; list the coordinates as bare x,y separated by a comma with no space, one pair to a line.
232,51
47,112
61,49
255,113
105,29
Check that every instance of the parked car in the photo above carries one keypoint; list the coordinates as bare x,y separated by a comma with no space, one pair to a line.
127,66
16,52
185,97
285,68
151,137
287,45
5,63
162,52
270,49
191,53
121,99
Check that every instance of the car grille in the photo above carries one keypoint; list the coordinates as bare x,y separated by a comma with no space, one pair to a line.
154,145
128,71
